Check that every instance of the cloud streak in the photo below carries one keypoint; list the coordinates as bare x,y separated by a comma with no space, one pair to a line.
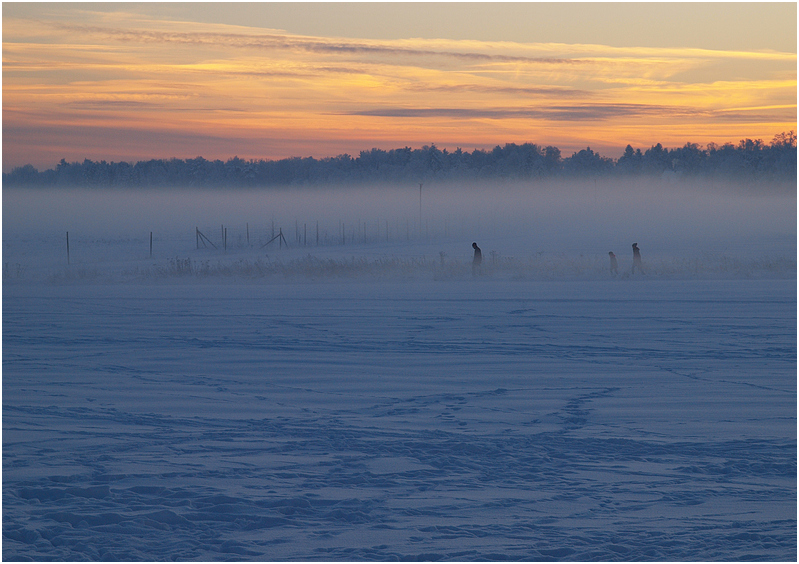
485,51
296,43
579,113
567,113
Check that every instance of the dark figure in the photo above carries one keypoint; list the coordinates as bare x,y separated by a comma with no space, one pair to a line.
478,258
637,259
614,264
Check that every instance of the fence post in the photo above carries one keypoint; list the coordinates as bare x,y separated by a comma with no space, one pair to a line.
420,211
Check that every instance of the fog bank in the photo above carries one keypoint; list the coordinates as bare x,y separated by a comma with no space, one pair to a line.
587,217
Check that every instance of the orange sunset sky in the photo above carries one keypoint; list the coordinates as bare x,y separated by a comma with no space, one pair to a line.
133,81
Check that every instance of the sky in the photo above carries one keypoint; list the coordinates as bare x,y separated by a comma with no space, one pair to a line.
135,81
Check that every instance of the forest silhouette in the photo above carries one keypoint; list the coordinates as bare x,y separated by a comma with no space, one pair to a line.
751,159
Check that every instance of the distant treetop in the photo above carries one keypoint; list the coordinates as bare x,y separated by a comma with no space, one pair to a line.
748,159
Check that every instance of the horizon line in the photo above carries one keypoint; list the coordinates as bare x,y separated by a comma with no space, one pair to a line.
430,145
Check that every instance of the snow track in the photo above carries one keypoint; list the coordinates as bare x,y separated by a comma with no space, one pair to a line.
461,420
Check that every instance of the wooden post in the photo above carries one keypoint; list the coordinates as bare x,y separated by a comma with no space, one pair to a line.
204,239
420,210
67,247
248,234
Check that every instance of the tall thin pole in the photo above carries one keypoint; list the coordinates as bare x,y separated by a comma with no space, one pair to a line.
67,247
420,209
151,244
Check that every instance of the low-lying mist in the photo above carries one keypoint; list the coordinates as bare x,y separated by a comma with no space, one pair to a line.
590,216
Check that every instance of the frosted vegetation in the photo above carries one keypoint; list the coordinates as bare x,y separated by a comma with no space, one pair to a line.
366,396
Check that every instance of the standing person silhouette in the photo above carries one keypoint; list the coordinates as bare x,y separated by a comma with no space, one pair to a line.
478,259
637,259
614,264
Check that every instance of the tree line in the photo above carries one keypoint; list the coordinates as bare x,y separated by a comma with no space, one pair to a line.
751,159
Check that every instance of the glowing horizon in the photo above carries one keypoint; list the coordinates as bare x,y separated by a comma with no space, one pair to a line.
116,85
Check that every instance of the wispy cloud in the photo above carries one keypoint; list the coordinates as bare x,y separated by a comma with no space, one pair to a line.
595,112
526,91
267,41
558,113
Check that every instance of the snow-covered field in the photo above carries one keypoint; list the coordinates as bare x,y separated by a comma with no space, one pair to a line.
375,401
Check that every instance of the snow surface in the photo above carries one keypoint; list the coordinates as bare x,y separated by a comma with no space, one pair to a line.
375,401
